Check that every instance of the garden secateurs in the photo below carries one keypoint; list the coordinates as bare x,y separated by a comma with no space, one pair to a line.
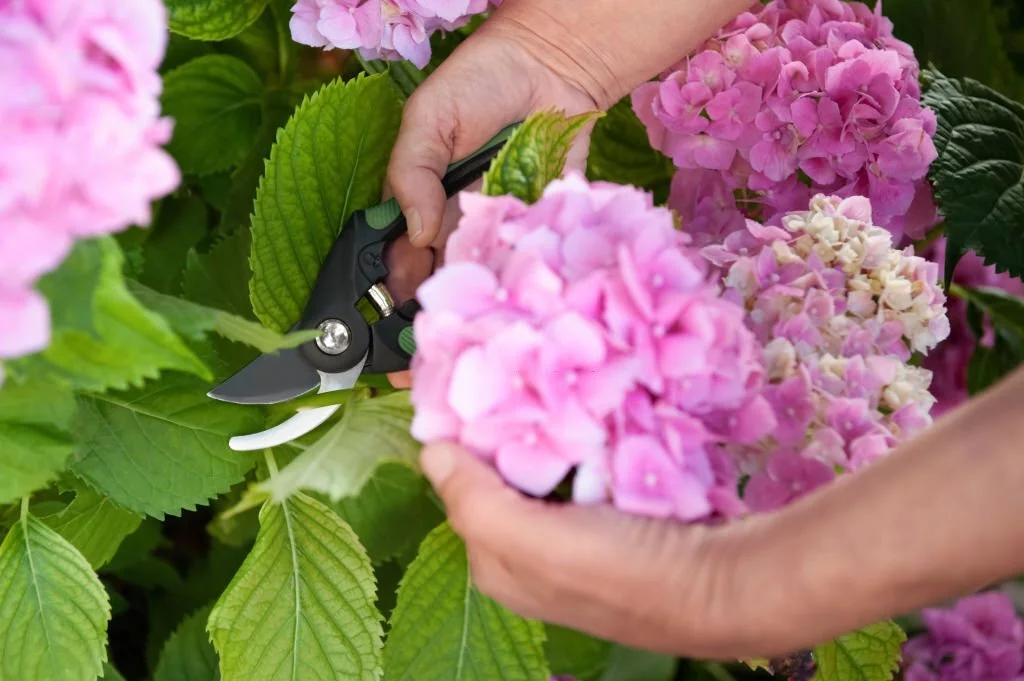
348,345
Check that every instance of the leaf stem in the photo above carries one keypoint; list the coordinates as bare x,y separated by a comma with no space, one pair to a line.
268,455
24,508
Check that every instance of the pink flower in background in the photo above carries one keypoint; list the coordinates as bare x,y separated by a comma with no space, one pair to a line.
381,29
815,93
582,333
950,361
81,151
839,312
980,638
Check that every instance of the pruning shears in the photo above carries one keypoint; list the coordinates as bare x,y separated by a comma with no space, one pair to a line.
348,345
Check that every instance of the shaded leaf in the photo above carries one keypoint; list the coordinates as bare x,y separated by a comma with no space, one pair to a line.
304,598
93,523
188,654
194,321
573,653
392,513
213,19
161,448
979,174
870,654
621,153
443,629
630,664
328,162
369,433
34,439
534,155
215,103
182,223
220,277
133,343
70,288
53,609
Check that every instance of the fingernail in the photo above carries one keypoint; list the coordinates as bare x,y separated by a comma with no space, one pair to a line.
414,223
437,462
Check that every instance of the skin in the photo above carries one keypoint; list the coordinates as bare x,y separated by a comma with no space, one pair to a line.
932,521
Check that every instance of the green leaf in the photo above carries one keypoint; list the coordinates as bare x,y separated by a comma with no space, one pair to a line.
534,155
213,19
621,153
215,103
870,654
34,442
573,653
181,224
990,364
979,174
393,512
188,654
161,448
443,629
220,277
93,523
71,287
328,162
194,321
53,609
959,37
133,343
369,433
630,664
110,673
304,599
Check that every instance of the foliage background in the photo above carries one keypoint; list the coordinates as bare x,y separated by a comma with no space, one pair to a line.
130,474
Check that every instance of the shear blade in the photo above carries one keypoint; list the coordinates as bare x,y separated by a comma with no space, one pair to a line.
303,422
269,379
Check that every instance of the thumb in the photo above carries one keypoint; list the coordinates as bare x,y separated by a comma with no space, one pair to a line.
471,490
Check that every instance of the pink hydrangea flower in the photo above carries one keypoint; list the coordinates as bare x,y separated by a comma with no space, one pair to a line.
950,361
979,637
81,151
381,29
583,335
801,97
839,312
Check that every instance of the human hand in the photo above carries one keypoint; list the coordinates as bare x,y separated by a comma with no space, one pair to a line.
651,584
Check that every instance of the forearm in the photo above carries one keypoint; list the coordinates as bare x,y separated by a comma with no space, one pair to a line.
940,517
608,46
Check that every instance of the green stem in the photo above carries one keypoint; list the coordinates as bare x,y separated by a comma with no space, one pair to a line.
268,455
24,508
929,238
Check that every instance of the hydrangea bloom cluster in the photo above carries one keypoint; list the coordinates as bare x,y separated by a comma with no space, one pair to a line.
581,334
950,360
839,312
801,97
381,29
80,151
980,638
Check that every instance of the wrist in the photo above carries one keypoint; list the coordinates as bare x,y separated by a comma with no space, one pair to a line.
606,50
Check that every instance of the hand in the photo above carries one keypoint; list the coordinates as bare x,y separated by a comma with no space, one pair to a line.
934,520
651,584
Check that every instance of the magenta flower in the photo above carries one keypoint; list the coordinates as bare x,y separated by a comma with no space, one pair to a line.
817,86
586,336
81,151
381,29
979,637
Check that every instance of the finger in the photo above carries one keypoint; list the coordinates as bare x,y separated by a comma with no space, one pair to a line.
401,380
474,496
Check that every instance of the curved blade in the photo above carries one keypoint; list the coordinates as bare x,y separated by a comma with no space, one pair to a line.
304,421
269,379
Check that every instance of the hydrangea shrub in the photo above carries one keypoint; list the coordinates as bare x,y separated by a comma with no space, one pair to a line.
787,255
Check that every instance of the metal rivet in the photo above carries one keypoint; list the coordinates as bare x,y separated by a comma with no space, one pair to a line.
335,337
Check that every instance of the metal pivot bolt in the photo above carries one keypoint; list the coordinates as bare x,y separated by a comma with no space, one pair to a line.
334,338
